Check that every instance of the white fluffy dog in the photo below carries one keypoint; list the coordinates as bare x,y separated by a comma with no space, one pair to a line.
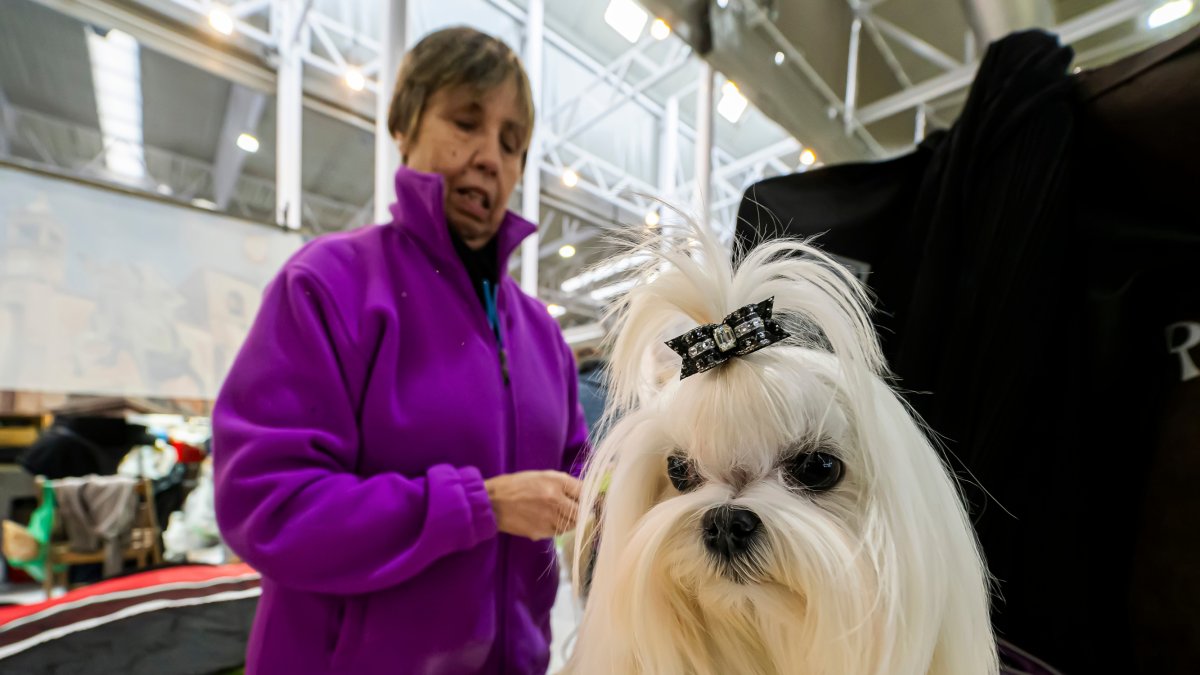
781,512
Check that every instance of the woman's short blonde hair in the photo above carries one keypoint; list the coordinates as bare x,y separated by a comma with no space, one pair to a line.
450,58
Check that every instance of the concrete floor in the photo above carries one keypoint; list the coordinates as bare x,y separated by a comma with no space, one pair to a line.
563,620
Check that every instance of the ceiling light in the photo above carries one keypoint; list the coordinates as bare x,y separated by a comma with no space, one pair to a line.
808,157
722,3
355,79
1168,12
204,204
567,251
556,310
732,104
660,29
652,218
626,18
570,178
221,20
779,58
248,143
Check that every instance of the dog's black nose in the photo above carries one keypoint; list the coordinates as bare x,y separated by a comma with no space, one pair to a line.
729,531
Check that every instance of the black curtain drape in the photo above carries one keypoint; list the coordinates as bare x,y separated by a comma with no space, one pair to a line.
1037,271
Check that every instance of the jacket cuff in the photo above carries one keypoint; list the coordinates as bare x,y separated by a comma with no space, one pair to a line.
483,519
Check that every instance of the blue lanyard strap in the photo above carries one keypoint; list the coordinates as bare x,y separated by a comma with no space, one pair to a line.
493,317
489,300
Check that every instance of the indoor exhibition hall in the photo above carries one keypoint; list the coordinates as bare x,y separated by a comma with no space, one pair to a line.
599,337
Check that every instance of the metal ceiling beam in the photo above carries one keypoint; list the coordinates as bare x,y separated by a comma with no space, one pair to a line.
243,112
573,52
180,171
578,212
1086,25
598,191
187,47
308,25
885,50
889,57
915,44
156,36
795,59
773,151
611,75
852,74
654,78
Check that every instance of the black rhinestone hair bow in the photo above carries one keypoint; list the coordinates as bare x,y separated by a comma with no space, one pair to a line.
744,331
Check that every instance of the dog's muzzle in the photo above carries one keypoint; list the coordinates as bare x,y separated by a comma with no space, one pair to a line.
730,532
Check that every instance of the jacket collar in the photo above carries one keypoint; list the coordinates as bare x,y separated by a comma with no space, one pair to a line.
420,209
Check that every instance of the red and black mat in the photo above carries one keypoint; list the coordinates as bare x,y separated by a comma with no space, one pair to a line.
181,620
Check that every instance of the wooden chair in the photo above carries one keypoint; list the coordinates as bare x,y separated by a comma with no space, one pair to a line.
144,546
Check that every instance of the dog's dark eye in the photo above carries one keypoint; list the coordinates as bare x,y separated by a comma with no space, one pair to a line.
682,473
817,471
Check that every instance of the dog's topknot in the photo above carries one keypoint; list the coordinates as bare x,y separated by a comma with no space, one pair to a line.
685,278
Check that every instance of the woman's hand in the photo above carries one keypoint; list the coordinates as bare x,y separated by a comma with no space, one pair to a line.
534,504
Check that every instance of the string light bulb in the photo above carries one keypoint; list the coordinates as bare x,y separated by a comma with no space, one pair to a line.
221,20
660,29
355,79
248,143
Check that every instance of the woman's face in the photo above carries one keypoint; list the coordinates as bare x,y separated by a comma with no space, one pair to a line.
475,140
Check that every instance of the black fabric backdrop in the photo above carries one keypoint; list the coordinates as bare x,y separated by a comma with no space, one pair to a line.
1026,264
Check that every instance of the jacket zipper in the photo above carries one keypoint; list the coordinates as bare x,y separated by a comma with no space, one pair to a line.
491,302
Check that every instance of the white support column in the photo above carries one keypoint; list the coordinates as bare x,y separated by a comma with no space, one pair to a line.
668,150
289,15
704,144
919,127
852,75
531,186
393,42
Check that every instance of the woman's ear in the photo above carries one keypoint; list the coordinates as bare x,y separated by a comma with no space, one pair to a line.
402,146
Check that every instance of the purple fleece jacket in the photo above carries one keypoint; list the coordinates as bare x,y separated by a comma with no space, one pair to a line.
352,438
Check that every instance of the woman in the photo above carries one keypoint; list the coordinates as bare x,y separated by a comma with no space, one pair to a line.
391,441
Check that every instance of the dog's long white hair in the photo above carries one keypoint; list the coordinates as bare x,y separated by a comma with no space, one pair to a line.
851,552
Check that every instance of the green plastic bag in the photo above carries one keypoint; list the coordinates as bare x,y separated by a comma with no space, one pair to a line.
40,524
